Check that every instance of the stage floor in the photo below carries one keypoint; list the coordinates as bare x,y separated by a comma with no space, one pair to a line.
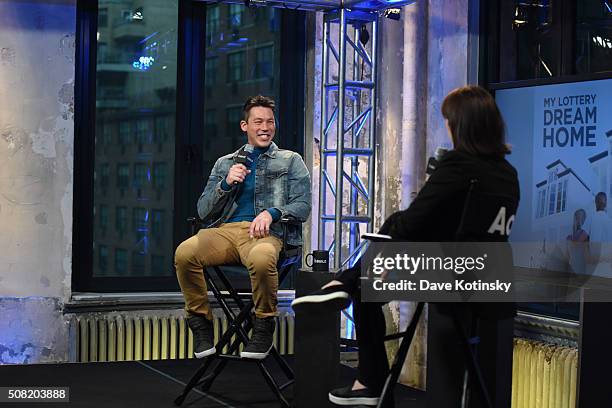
154,384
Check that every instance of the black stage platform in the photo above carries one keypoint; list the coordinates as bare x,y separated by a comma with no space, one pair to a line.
152,384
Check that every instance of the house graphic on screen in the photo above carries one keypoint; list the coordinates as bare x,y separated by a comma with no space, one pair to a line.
601,164
562,193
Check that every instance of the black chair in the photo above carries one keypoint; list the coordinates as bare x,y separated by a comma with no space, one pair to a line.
479,210
237,306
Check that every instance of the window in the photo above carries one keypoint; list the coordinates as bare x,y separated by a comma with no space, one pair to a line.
139,219
235,66
162,129
121,261
547,39
212,24
120,219
232,121
141,176
107,134
138,263
541,203
103,17
159,175
157,226
123,175
265,62
142,132
103,258
210,72
127,108
593,36
104,174
210,124
124,133
551,200
564,199
158,265
559,196
135,103
235,16
103,217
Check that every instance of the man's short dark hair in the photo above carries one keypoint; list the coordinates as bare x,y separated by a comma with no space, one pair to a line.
254,101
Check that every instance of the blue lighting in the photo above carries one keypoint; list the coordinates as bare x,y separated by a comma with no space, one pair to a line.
143,63
243,39
144,40
349,322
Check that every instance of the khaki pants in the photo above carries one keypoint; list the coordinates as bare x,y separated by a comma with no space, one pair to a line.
228,244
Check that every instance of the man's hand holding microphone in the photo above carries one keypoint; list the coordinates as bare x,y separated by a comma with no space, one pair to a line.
260,226
236,174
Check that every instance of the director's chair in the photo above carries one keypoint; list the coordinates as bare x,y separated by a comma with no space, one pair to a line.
479,209
240,323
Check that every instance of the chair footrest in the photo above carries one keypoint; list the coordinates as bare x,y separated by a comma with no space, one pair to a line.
230,357
287,384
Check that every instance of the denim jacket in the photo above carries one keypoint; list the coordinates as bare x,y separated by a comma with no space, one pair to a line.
282,181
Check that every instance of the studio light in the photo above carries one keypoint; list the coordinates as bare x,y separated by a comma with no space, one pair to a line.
392,13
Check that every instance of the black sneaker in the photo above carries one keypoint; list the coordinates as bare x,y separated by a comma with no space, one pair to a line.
203,336
261,340
346,396
332,298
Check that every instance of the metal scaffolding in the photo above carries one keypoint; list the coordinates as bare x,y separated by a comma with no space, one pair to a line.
348,101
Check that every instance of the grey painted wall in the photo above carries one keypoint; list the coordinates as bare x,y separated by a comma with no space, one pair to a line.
36,172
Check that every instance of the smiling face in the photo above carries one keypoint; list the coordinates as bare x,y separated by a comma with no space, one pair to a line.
260,126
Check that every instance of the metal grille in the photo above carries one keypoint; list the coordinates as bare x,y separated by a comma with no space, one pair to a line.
129,338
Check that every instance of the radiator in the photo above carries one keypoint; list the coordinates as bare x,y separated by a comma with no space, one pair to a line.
543,375
126,338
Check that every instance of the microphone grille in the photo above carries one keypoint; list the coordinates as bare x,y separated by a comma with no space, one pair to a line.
440,151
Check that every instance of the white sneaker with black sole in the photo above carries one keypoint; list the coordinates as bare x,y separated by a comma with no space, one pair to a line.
203,336
348,396
332,298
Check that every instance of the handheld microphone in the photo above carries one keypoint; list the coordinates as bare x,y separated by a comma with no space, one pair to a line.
244,156
433,161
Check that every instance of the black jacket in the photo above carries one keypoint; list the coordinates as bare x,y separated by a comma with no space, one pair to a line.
436,212
461,182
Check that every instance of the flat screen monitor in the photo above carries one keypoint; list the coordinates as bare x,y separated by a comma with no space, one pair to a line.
561,139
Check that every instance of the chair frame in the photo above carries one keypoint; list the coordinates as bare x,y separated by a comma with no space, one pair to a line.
470,353
240,323
469,341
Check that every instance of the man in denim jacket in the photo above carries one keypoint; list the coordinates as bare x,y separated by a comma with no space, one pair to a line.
242,205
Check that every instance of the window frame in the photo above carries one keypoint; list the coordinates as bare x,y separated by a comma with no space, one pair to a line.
490,48
189,126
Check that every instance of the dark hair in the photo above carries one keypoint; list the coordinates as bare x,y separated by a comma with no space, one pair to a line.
576,226
475,123
254,101
601,199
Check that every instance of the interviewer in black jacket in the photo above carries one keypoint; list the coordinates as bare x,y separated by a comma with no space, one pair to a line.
476,128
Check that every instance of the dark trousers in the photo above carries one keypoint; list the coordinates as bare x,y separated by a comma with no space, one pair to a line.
446,356
370,327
